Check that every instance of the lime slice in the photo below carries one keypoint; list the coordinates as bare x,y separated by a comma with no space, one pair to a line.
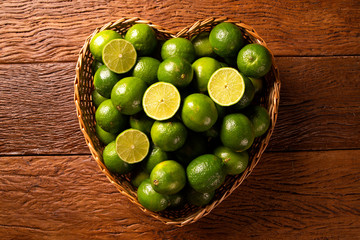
119,55
161,101
226,86
132,145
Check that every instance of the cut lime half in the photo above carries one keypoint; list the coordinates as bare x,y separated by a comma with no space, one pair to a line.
161,101
119,55
132,145
226,86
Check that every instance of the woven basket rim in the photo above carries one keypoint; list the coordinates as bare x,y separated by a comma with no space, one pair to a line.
273,109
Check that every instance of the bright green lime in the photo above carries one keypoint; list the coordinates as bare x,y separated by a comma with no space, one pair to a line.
113,162
206,173
168,135
203,68
127,95
110,119
150,199
146,69
202,45
119,55
226,39
97,99
175,70
104,136
143,37
139,178
168,177
237,132
104,81
235,162
254,60
142,122
199,199
198,112
248,95
100,39
259,118
178,47
155,157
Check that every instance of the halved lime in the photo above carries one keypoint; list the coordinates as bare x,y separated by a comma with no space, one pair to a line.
226,86
119,55
132,145
161,101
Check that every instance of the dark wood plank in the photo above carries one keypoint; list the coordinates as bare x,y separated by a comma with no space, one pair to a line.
319,107
55,30
299,195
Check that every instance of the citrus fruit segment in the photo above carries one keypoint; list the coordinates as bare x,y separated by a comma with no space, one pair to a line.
161,101
226,86
132,145
119,55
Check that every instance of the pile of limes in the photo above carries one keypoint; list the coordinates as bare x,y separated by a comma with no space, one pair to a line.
179,114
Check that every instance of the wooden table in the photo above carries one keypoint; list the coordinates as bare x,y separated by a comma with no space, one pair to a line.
306,186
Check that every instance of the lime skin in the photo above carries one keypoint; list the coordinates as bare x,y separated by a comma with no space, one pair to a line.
109,118
113,162
235,162
168,135
150,199
199,112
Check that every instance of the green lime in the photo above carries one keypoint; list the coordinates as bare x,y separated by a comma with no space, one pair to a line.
161,101
175,70
223,64
108,118
195,145
169,136
100,39
202,45
259,118
226,86
119,55
132,145
177,200
178,47
139,178
104,136
146,69
258,84
234,162
97,99
104,81
248,95
199,199
150,199
198,112
127,95
142,122
155,156
254,60
112,161
168,177
203,68
143,37
95,66
206,173
237,132
226,39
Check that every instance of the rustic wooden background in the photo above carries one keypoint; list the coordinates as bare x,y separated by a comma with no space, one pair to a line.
306,186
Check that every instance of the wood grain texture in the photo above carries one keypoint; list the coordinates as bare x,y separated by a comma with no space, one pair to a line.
319,107
38,31
300,195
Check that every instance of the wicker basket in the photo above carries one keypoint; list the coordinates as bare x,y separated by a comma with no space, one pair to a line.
86,112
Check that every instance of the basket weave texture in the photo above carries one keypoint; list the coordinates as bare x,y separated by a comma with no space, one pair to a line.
83,88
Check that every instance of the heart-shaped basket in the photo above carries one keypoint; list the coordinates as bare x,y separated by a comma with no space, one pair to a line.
86,115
